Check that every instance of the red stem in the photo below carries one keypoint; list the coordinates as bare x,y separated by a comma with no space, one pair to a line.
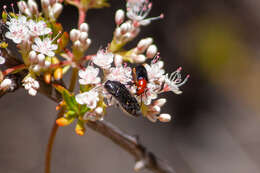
82,15
12,69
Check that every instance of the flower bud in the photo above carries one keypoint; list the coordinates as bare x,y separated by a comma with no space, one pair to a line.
47,77
77,44
33,56
22,6
63,121
117,32
120,16
160,102
83,36
45,3
74,35
84,27
33,6
57,8
28,12
58,73
53,2
88,41
143,44
41,58
139,58
164,117
124,28
151,51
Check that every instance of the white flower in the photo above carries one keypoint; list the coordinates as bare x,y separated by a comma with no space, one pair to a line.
18,30
138,10
155,72
2,60
150,94
31,85
89,76
103,59
173,82
44,46
89,98
38,28
120,73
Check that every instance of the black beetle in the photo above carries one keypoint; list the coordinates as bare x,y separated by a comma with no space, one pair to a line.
126,100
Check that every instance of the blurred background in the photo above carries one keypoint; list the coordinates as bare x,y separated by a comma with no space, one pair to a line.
216,121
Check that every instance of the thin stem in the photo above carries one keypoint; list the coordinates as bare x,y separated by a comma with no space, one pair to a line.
55,127
82,16
48,155
73,80
15,68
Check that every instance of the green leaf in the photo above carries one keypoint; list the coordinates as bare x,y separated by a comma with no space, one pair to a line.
69,99
83,109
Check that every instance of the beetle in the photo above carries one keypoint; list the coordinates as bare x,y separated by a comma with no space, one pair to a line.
125,99
140,79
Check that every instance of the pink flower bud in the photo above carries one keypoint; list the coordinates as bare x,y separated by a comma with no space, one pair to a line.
22,6
139,58
84,27
33,6
119,17
57,8
164,117
52,2
151,51
124,28
160,102
143,44
45,3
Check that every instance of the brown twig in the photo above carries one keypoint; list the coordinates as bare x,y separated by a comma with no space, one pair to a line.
144,158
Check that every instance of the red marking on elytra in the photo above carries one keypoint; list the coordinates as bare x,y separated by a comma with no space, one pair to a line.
141,86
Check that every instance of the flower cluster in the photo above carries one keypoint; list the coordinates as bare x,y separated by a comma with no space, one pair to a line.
131,78
33,36
158,82
80,40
